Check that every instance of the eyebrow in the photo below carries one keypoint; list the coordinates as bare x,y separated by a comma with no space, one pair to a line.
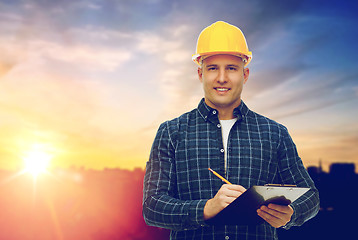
229,65
211,65
232,65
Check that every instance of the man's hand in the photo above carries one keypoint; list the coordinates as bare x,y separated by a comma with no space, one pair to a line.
226,194
276,215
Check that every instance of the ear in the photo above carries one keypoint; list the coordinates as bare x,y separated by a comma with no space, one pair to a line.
200,74
246,74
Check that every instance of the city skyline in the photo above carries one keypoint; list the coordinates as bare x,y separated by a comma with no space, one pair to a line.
89,82
98,204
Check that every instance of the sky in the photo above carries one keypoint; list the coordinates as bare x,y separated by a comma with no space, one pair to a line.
90,81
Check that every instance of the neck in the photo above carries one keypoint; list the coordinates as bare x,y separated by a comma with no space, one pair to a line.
226,114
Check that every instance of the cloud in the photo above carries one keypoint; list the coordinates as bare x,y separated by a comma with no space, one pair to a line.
304,93
166,45
356,91
83,56
87,4
11,55
267,79
310,107
5,68
154,44
89,71
81,49
79,56
79,52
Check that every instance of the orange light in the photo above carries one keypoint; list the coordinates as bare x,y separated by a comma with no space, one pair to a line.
36,161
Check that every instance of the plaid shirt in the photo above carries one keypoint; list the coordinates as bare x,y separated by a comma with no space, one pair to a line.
177,182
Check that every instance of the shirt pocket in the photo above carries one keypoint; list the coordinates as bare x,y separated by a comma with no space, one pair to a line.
192,163
255,161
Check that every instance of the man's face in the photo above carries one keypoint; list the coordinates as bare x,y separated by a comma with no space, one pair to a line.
223,77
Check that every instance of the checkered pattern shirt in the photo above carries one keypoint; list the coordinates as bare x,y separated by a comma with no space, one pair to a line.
177,182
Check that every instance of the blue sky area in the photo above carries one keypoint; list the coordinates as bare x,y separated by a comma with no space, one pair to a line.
92,80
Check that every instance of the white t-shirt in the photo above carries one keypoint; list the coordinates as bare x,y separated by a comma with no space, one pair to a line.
226,126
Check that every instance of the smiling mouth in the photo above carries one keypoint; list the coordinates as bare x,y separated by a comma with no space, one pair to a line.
222,89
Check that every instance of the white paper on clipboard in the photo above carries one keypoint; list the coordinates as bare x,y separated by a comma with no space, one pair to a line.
270,192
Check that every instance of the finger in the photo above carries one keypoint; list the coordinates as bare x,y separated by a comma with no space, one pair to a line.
231,190
284,213
280,208
227,196
272,220
272,212
231,194
238,188
230,200
275,218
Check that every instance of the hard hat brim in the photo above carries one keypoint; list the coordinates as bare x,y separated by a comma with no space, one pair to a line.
198,58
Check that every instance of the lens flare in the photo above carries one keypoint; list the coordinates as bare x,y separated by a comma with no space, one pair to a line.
36,161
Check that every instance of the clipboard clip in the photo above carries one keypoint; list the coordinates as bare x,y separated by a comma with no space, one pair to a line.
279,185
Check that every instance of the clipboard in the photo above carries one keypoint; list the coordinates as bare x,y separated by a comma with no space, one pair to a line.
242,211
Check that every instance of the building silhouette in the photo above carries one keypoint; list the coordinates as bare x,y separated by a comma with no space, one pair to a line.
338,193
85,204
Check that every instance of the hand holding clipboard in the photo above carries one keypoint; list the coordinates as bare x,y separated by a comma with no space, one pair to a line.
243,209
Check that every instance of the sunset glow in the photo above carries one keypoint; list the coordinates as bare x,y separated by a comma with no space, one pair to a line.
85,86
36,161
97,78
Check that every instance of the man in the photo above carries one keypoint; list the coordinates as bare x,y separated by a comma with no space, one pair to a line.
222,134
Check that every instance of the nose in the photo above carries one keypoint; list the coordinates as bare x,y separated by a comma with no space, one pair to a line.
222,78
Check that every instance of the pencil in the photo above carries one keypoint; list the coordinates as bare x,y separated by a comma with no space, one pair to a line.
219,176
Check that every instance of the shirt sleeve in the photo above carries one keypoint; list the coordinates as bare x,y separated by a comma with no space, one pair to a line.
161,206
292,171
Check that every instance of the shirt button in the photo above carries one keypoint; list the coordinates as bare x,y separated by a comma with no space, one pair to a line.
227,237
219,125
214,112
222,150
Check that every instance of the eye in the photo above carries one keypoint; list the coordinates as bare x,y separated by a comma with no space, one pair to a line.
232,68
212,68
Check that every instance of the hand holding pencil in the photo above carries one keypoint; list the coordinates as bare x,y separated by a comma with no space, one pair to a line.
226,194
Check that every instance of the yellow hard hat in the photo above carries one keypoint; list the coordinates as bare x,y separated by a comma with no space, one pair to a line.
221,38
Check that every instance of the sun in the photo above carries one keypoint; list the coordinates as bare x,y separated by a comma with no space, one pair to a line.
36,161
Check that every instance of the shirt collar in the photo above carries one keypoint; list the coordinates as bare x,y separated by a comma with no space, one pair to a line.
207,112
